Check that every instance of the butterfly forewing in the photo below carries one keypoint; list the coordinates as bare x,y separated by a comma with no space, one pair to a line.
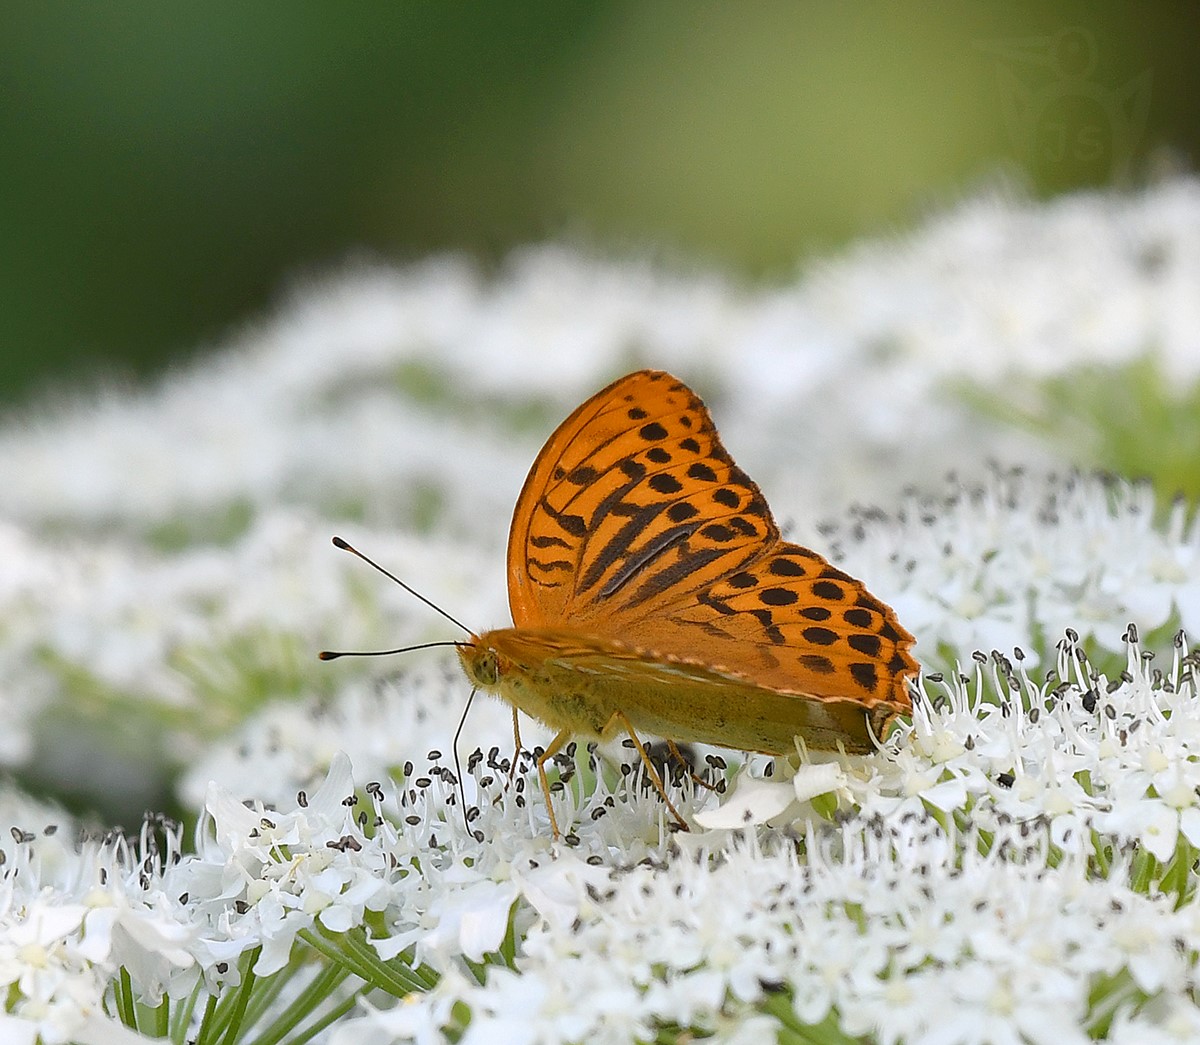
632,498
635,525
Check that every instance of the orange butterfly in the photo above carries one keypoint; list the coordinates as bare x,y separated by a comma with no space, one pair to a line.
650,590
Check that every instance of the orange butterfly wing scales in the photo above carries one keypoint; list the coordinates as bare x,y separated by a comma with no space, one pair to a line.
647,576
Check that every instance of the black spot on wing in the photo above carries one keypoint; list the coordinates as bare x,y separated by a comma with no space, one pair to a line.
557,566
743,526
857,617
868,645
819,636
865,675
815,662
584,475
777,597
898,664
786,568
664,483
829,591
834,574
714,602
770,628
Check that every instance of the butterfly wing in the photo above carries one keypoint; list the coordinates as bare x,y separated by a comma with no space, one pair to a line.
635,524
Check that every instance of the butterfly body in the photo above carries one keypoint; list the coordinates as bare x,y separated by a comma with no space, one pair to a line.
590,687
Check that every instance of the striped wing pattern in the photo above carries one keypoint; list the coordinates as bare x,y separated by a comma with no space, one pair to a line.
636,525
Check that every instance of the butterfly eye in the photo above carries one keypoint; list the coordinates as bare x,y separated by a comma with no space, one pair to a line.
481,664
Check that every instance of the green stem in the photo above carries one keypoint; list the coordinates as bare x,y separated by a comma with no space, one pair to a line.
268,989
1177,878
181,1018
314,994
206,1033
1144,868
354,952
158,1017
243,999
336,1013
123,995
1103,864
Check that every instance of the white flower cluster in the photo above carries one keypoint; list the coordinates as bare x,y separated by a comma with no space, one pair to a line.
891,932
1107,763
194,634
405,395
1006,855
1016,560
994,288
268,892
70,922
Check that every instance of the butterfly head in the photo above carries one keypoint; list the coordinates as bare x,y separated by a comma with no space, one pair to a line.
480,662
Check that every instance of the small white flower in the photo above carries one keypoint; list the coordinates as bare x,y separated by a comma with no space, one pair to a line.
754,800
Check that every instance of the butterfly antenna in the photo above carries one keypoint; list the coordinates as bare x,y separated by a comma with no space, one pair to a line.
462,790
327,654
346,547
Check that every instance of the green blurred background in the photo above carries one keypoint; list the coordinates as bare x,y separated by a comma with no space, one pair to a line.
168,168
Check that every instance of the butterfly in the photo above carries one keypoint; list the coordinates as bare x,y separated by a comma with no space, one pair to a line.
651,591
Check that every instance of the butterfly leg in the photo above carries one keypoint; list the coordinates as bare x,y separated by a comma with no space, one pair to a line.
696,778
512,770
555,746
654,777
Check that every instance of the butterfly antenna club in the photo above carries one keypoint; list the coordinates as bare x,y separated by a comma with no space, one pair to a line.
327,654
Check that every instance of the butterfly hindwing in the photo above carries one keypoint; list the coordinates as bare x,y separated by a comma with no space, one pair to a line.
814,628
